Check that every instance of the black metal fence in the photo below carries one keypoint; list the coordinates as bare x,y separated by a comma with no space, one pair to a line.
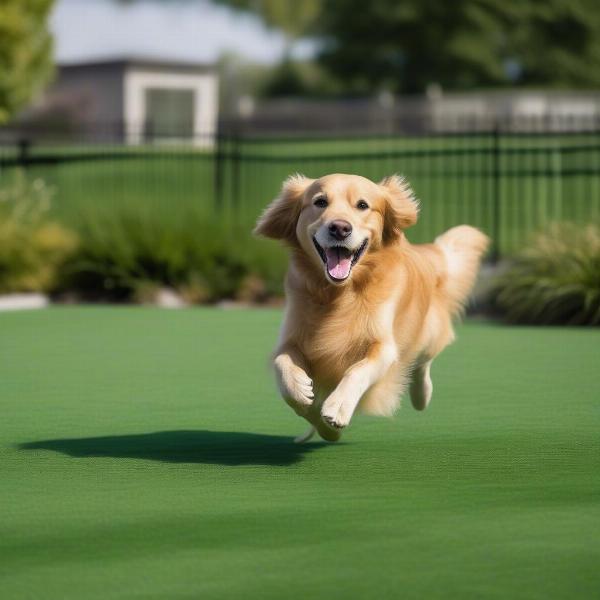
505,181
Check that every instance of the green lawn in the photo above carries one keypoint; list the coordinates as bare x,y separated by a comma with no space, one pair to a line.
145,454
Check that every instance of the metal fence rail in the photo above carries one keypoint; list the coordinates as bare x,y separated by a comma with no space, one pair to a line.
508,183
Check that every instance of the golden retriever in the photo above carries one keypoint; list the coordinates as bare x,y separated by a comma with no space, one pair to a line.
366,311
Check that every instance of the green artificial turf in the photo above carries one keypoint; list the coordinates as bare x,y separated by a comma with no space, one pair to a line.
145,454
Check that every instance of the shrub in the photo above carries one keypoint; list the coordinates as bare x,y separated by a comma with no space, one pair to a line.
33,249
553,280
123,255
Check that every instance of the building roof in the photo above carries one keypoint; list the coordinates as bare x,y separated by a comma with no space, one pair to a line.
140,62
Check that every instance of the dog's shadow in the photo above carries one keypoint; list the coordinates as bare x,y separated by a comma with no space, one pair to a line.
230,448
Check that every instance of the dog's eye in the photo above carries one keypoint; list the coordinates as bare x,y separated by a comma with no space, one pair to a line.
321,202
362,205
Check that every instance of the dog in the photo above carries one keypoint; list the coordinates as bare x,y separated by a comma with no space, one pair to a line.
366,311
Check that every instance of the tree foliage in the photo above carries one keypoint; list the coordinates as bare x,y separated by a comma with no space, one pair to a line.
404,45
462,44
25,52
294,18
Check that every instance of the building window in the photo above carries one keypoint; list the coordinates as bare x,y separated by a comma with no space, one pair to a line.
169,114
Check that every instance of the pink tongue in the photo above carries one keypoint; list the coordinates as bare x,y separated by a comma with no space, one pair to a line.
338,265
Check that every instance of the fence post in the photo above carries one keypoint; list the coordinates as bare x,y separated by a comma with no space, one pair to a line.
236,157
218,172
24,146
557,180
496,192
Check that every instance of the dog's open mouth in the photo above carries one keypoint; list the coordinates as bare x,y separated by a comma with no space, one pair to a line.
339,260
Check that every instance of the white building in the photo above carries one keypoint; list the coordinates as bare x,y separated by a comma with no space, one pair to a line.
140,100
521,110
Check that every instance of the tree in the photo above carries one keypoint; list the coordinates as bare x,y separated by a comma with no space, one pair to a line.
404,45
558,44
25,52
295,18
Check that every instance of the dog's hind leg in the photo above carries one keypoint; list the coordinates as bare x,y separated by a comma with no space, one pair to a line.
421,387
313,416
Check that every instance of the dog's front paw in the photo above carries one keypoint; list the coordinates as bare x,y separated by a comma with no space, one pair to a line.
295,385
333,412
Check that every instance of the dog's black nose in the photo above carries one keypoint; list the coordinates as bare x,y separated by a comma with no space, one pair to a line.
340,230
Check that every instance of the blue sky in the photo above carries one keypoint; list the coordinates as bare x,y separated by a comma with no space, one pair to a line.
195,30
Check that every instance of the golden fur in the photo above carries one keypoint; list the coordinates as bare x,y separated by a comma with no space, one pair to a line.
355,343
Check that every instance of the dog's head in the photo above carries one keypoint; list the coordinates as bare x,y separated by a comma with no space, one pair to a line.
337,219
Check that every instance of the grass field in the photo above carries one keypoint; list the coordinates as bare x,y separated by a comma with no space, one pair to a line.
145,454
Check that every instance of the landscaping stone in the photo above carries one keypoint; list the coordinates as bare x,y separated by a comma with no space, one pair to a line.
23,301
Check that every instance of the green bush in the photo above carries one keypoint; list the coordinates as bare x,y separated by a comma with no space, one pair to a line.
126,255
33,249
553,280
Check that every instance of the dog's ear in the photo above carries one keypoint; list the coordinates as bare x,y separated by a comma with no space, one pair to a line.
401,208
278,221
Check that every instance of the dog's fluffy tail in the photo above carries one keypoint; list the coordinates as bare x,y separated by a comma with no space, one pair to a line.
463,247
